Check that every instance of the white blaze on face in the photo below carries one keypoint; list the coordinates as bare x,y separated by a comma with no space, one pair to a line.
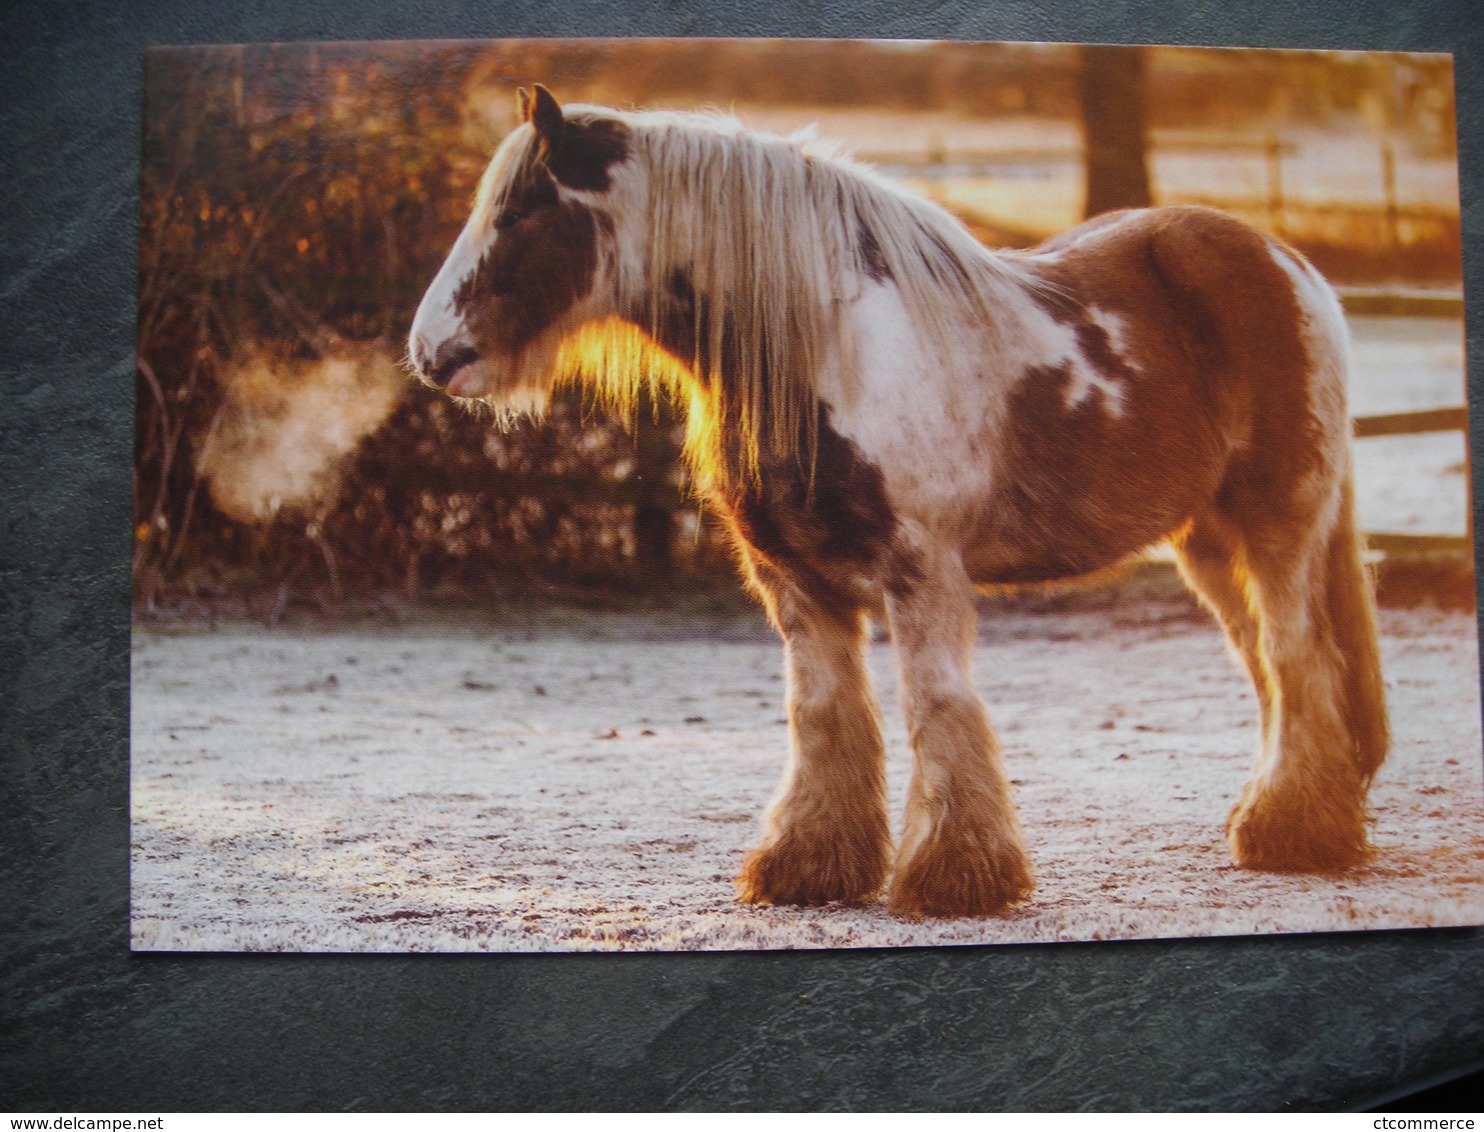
439,332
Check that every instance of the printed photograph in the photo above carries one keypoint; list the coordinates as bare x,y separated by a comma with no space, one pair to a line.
677,495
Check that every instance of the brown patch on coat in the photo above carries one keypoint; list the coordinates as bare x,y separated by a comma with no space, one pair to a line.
586,152
1215,413
578,151
1253,340
827,528
545,251
531,189
675,322
537,269
820,520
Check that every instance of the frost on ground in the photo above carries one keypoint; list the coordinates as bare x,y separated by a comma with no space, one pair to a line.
589,781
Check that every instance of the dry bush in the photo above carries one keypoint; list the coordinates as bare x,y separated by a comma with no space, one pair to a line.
295,201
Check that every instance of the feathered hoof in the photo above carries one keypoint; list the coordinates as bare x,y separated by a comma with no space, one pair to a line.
1296,833
954,877
790,871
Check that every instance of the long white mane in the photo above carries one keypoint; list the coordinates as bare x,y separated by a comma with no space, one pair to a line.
776,237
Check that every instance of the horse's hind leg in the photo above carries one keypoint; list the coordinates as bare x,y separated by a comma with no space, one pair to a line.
1207,554
1303,808
961,852
826,835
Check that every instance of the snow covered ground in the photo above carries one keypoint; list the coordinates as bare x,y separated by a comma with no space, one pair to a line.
590,781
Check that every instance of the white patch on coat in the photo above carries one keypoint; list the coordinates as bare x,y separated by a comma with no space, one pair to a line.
904,411
1113,326
937,438
1085,378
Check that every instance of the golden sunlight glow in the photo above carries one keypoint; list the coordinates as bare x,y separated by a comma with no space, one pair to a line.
619,362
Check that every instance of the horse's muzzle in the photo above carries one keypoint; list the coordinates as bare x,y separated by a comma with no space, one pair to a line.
438,367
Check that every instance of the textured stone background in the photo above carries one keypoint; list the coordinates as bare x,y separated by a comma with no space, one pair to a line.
1302,1022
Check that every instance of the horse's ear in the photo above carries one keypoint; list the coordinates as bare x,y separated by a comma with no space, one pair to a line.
523,103
546,116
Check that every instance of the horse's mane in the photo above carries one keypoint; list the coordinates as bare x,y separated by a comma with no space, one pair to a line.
775,237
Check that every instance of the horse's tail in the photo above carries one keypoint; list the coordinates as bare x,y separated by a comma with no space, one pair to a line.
1349,589
1352,615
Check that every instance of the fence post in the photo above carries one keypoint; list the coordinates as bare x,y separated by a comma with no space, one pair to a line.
1275,185
1388,182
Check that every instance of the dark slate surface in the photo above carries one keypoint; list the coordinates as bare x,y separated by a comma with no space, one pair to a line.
1316,1022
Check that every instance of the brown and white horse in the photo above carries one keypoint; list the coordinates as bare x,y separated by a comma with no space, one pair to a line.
889,416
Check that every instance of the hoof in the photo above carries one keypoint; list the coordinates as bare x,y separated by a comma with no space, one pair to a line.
1296,833
789,871
960,876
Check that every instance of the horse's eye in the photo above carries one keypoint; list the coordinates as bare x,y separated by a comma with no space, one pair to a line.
509,219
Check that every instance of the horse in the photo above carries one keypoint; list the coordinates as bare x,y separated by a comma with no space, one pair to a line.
891,418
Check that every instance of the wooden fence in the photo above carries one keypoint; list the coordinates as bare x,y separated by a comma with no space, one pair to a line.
1453,419
1276,205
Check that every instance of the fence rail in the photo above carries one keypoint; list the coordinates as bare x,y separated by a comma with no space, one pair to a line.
1404,304
1276,202
1401,545
1451,419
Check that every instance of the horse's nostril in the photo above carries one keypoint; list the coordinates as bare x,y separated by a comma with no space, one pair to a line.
449,361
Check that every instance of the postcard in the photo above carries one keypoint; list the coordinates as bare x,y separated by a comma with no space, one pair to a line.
744,494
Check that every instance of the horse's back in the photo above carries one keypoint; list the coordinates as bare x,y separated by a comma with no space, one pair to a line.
1235,291
1238,319
1207,360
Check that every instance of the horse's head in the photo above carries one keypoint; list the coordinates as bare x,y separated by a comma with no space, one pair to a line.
530,265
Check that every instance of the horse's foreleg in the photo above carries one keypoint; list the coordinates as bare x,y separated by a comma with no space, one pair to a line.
1304,807
825,836
961,852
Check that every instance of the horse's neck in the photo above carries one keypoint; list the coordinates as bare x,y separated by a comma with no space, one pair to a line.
668,313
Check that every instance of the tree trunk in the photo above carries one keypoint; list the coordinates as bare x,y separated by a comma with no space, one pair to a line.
1113,131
